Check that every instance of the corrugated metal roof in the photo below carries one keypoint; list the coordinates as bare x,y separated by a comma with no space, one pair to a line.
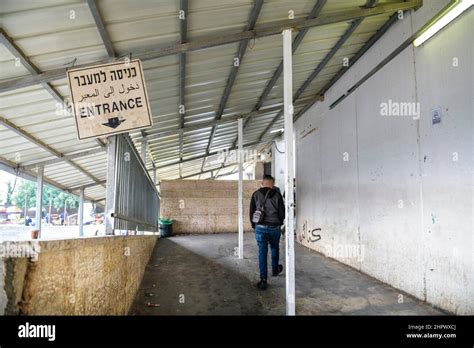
52,33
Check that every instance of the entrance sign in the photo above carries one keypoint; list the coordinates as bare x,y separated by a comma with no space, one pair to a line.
109,99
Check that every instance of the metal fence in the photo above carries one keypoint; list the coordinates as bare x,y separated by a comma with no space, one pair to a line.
132,199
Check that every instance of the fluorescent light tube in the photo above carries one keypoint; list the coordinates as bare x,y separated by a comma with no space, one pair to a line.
443,21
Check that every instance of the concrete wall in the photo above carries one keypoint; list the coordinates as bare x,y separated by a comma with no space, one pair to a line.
393,195
205,206
89,276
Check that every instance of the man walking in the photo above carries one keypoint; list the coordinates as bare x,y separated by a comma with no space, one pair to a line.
267,213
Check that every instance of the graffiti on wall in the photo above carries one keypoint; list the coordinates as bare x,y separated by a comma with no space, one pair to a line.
310,235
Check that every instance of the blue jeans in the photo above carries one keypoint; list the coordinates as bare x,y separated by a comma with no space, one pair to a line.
267,235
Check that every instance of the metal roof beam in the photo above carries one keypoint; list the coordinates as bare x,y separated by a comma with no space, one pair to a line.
228,119
12,168
271,140
183,32
101,28
354,25
6,123
274,28
236,62
214,153
206,171
8,42
60,159
296,43
352,61
380,65
26,62
276,75
203,156
216,175
76,188
207,124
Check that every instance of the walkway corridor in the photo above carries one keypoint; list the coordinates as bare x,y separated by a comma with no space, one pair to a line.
199,275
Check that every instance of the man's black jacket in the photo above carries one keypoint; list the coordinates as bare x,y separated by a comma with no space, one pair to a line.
274,207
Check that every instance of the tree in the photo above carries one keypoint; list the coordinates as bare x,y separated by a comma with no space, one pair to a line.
26,194
62,197
10,189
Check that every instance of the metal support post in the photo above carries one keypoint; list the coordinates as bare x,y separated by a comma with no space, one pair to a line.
289,187
81,213
39,200
241,189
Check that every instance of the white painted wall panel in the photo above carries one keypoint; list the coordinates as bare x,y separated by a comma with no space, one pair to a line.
400,209
447,164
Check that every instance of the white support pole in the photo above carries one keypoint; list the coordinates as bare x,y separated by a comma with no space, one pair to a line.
289,187
39,200
81,213
241,189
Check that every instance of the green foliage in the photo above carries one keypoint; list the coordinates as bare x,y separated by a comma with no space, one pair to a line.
10,188
26,192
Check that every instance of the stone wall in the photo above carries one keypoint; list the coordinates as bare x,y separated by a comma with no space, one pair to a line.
205,206
88,276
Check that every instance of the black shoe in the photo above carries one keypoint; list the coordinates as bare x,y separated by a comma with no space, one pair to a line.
262,285
277,272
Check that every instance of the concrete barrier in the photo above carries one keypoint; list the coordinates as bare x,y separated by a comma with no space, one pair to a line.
87,276
205,206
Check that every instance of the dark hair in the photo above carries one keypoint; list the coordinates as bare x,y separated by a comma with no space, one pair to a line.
268,177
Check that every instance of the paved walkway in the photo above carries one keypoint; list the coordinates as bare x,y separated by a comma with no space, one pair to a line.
199,274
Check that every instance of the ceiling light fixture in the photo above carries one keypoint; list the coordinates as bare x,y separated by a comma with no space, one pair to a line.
452,12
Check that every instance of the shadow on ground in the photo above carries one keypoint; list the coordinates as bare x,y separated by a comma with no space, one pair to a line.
200,275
